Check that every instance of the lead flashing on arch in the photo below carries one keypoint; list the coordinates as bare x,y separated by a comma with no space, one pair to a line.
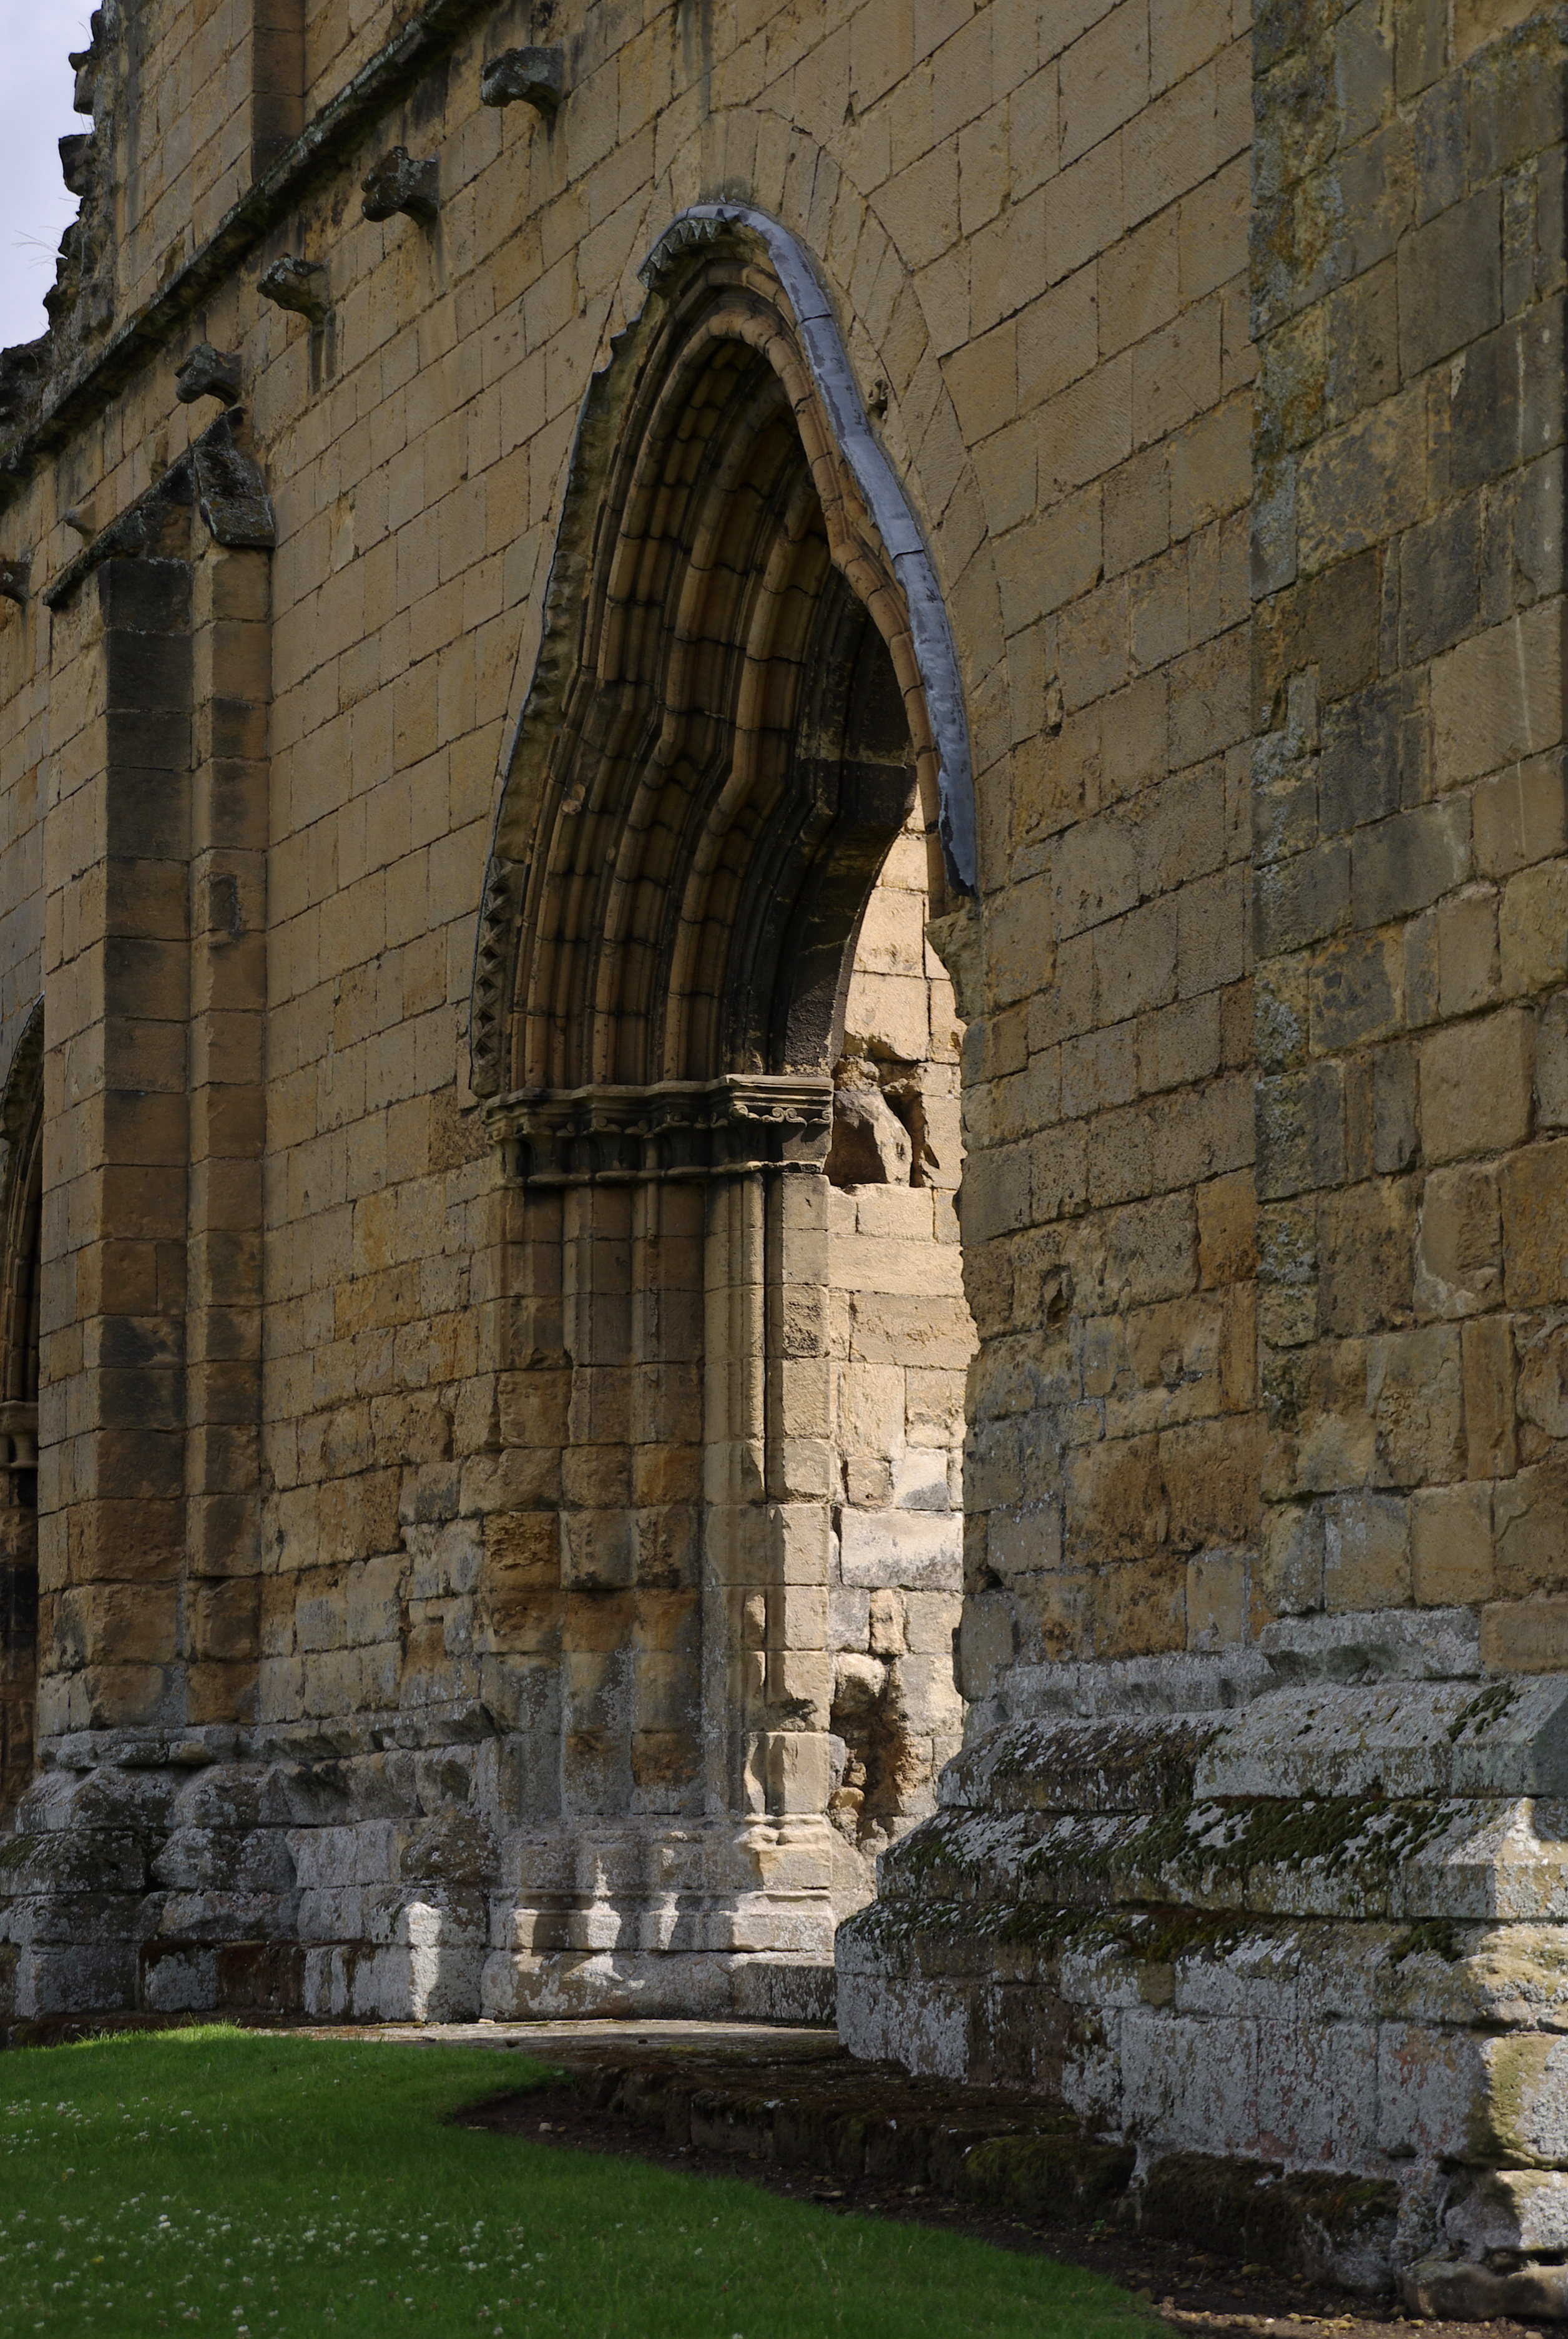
833,378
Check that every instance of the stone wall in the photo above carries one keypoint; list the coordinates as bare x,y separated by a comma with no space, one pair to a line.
1112,1493
1197,1896
1410,823
1082,483
901,1341
300,1477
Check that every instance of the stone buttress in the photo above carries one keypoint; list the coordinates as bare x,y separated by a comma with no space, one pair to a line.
1256,1850
1322,1930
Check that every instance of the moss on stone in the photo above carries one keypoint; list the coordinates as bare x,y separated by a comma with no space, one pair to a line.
1484,1711
1046,2175
1257,2209
1374,1833
1440,1937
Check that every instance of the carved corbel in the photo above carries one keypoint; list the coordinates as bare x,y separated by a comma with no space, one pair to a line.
398,183
297,284
22,373
85,63
208,372
534,77
14,578
76,162
19,1426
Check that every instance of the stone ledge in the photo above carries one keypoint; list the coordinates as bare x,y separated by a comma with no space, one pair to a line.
1387,1738
1332,1856
988,2148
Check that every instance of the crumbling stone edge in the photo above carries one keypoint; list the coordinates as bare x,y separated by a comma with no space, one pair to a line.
428,35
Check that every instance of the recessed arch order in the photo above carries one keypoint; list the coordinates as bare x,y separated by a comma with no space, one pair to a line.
745,685
746,668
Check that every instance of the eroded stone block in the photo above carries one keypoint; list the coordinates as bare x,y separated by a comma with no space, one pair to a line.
531,76
207,372
297,284
400,182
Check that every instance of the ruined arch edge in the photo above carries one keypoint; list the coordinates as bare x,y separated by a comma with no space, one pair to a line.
22,1079
598,423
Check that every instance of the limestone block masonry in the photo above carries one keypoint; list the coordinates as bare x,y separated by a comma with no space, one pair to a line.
783,1057
1272,1870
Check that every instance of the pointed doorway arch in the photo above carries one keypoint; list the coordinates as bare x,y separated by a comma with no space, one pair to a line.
745,699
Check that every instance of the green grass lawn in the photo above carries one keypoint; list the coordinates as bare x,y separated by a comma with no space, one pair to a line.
221,2180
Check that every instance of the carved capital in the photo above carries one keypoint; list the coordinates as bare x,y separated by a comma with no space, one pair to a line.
683,1129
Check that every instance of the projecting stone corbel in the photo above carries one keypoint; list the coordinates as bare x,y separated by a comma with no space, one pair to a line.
76,162
14,576
82,519
398,183
85,63
536,77
208,372
297,284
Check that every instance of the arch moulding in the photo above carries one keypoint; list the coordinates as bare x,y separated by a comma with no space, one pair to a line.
722,271
746,695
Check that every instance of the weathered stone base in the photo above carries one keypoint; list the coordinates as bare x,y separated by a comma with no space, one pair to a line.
1325,1934
559,1985
1460,2289
796,2100
168,1881
711,1917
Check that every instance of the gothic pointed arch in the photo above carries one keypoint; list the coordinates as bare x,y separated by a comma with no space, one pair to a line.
746,674
21,1217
